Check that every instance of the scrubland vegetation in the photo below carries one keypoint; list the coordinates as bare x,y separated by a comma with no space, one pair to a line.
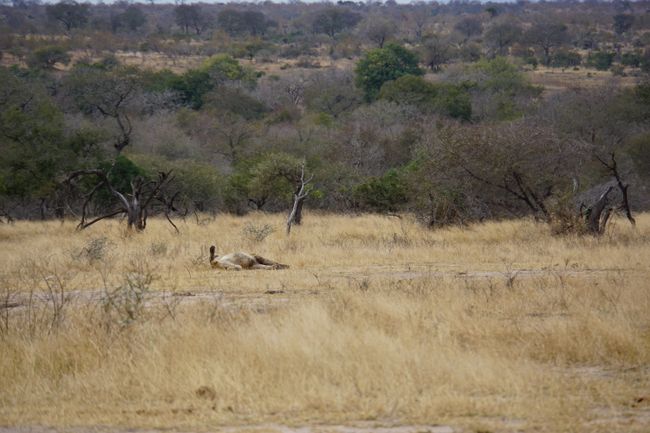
474,251
495,327
454,112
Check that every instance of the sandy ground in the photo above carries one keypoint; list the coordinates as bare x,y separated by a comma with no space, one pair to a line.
262,428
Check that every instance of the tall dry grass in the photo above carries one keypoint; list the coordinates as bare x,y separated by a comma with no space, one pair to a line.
498,326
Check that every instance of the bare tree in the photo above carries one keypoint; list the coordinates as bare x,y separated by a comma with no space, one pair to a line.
500,36
136,205
302,192
107,93
378,29
547,35
435,52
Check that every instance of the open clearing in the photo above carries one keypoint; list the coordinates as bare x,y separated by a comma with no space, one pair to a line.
379,326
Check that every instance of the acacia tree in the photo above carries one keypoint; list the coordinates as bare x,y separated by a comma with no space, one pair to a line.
469,27
68,13
190,16
499,37
435,52
527,163
602,122
378,29
547,35
331,21
108,93
136,206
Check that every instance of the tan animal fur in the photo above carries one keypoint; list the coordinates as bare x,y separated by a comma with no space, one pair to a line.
239,260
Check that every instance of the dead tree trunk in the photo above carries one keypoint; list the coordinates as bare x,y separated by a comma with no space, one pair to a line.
295,216
612,167
597,215
135,207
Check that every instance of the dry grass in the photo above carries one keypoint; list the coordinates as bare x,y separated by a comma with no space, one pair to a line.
497,326
555,80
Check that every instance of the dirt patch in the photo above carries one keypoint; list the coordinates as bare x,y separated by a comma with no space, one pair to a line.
261,428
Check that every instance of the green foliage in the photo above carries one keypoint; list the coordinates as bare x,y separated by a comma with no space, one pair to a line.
601,60
264,180
384,64
121,173
198,183
566,59
35,147
504,84
193,85
47,57
631,59
223,68
383,194
448,99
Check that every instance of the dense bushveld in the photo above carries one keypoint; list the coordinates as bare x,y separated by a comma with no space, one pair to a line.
426,108
498,326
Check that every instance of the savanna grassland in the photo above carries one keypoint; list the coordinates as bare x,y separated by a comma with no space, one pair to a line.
497,326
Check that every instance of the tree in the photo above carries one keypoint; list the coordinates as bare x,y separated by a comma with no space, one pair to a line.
547,35
48,57
69,13
499,37
499,90
447,99
36,149
109,93
435,52
303,188
190,16
132,18
384,64
235,22
622,23
566,59
332,92
383,194
333,20
378,29
469,27
137,205
526,164
601,60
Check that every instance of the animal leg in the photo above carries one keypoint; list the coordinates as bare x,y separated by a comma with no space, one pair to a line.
268,262
260,266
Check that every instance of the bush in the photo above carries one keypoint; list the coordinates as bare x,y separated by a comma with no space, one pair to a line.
384,64
448,99
566,59
47,57
382,194
631,59
601,60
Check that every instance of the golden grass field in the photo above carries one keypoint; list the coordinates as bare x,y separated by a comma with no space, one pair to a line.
495,327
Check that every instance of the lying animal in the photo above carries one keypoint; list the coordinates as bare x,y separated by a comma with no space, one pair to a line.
239,261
